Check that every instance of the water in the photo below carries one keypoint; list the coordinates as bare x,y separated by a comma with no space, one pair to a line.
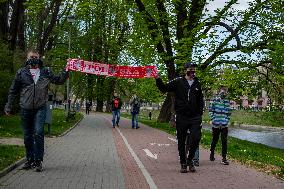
270,138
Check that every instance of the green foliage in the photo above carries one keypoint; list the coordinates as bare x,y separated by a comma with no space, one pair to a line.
10,154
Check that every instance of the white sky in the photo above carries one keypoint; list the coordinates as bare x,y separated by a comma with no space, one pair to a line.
213,5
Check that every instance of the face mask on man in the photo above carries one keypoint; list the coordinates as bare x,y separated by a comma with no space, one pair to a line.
222,93
34,62
190,74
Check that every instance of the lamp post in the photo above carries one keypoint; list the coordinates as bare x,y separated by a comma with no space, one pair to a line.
70,19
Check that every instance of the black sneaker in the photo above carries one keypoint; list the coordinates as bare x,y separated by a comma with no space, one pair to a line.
225,161
196,162
28,165
137,127
117,125
212,158
38,166
191,167
183,168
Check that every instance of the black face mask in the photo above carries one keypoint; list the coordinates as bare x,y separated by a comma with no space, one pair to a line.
32,62
190,74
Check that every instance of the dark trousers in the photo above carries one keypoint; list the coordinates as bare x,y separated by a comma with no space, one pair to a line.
87,110
215,137
33,127
184,123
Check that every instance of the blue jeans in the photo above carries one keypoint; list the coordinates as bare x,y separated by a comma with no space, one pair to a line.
115,117
134,120
196,154
33,128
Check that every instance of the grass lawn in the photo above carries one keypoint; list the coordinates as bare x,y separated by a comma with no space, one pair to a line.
10,154
247,117
264,158
10,126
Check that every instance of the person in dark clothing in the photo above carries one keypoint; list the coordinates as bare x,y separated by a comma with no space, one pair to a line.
135,109
189,106
88,106
150,115
116,106
32,81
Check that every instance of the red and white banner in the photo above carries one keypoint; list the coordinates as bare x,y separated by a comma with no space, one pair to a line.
111,70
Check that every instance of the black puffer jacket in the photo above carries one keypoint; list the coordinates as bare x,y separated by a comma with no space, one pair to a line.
188,100
32,96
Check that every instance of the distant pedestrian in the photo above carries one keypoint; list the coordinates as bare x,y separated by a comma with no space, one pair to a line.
150,115
220,111
116,104
135,109
32,82
77,106
88,106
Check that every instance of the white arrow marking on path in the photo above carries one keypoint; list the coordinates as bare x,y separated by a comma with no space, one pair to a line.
159,144
175,140
148,153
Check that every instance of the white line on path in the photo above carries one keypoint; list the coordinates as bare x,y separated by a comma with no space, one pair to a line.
173,139
150,154
146,174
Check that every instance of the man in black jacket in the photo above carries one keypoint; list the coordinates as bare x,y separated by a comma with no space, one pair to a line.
189,105
32,81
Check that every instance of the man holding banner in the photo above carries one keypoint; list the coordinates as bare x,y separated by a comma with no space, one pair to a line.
189,109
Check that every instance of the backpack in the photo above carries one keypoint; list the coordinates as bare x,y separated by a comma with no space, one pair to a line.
136,107
116,103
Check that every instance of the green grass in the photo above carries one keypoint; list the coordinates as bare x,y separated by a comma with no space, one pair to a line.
273,118
10,126
59,123
10,154
264,158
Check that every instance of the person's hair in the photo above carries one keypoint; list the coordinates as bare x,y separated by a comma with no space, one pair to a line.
32,51
189,64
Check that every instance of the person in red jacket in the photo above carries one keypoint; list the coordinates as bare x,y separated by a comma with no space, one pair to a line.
116,106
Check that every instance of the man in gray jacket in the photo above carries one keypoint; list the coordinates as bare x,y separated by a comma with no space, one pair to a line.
32,81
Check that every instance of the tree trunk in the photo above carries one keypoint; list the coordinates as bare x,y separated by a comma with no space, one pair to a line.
100,105
166,110
4,9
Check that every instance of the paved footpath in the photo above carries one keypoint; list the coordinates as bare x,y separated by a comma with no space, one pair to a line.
94,155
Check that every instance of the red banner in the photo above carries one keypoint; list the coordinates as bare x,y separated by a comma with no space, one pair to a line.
111,70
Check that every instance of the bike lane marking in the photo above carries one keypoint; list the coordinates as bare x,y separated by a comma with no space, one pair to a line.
144,171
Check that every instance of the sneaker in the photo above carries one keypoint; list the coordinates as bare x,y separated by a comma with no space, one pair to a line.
38,166
28,165
191,167
225,161
137,127
212,158
196,162
183,168
117,125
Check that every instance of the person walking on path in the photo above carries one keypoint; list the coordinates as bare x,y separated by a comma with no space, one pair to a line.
220,111
135,108
189,105
88,106
32,81
116,106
